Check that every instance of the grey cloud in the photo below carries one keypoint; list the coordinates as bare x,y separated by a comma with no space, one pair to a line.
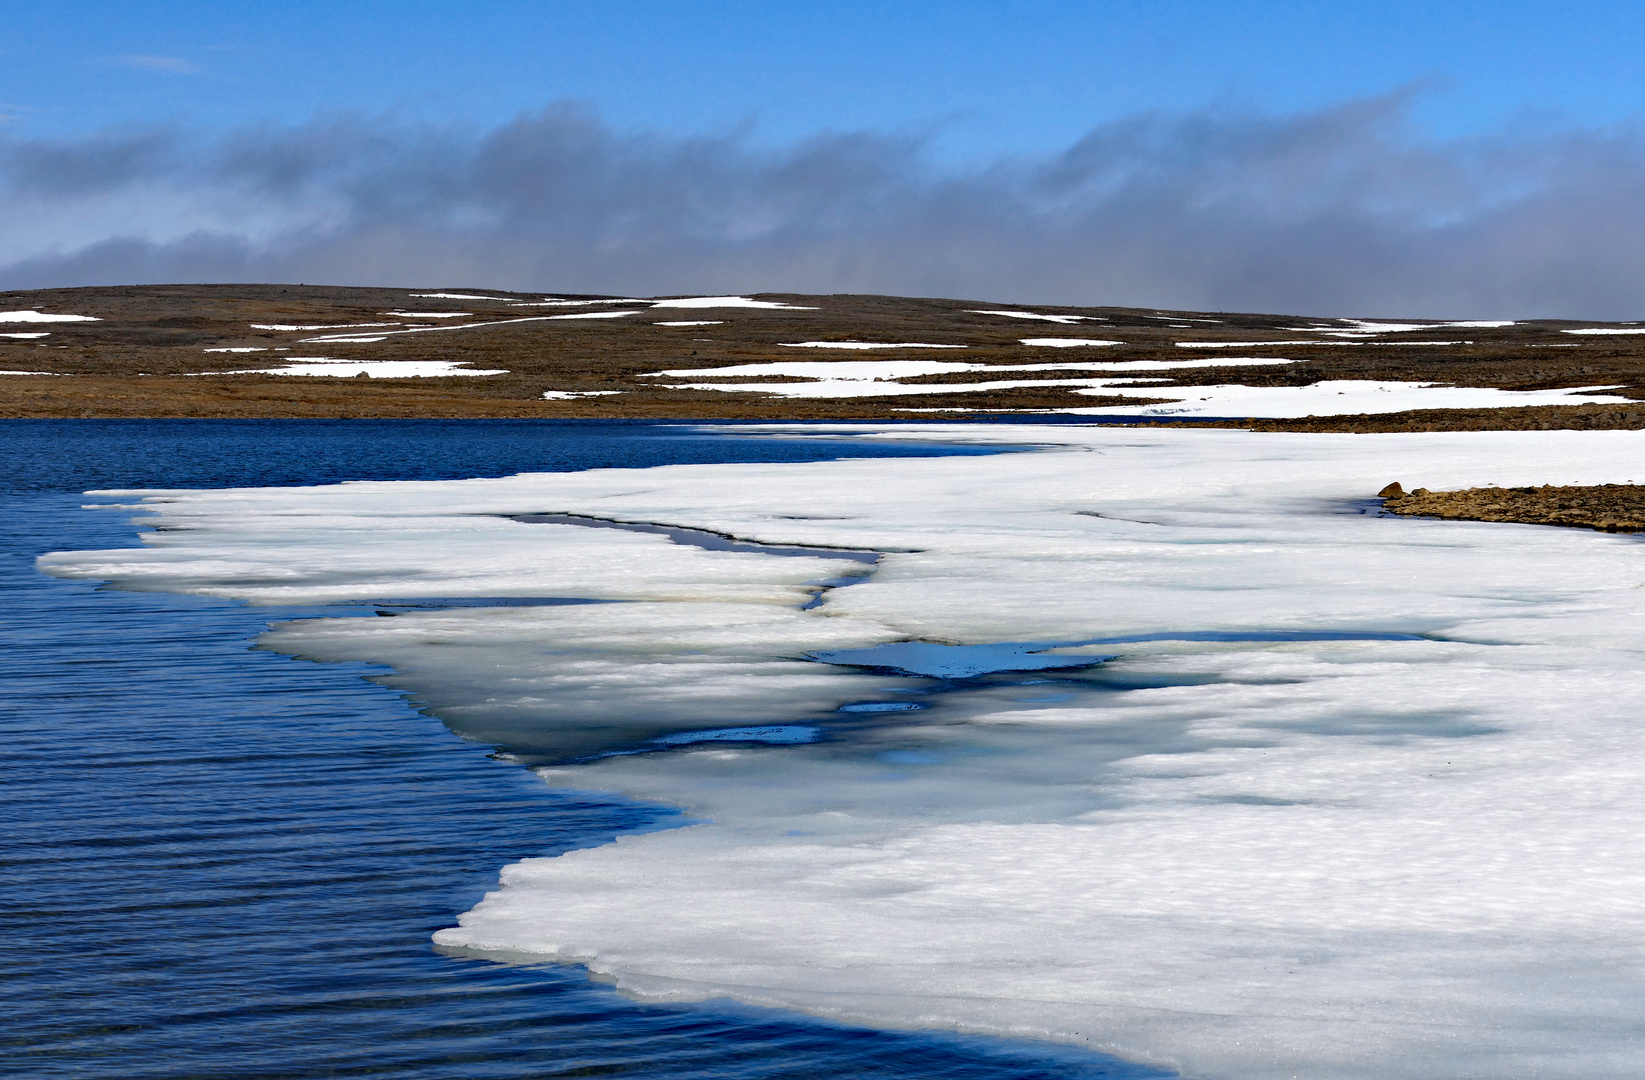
1340,211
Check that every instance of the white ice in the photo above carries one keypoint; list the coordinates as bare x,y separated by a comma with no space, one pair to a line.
1035,315
32,373
38,317
696,322
860,345
1599,330
566,395
430,314
1344,860
1067,342
243,349
460,296
28,336
726,302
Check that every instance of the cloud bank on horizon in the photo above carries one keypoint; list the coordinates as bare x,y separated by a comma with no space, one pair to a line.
1335,211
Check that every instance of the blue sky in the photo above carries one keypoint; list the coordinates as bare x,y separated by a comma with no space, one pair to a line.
1459,159
990,78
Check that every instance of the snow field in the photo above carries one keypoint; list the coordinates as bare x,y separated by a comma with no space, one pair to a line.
32,316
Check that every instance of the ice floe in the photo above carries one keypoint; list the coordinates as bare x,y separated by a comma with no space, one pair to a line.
1358,799
726,302
1036,315
32,316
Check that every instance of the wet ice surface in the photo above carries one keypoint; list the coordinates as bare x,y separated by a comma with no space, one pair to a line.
967,661
1316,792
221,862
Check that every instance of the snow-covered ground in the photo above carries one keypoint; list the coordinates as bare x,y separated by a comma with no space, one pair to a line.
865,345
1006,314
1337,397
380,369
32,316
695,302
1342,397
1236,847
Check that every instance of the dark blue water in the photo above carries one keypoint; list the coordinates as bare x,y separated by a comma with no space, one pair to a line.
220,862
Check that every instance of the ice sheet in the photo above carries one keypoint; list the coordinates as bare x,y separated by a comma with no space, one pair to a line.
1036,315
37,317
1389,859
726,302
865,345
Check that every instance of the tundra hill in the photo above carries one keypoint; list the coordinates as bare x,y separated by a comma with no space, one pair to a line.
310,351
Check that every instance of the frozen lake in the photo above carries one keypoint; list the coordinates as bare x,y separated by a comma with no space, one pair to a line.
224,862
1161,743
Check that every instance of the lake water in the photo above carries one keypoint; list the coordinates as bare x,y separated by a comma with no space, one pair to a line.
187,823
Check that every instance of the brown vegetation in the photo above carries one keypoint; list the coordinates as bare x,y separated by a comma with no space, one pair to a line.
147,357
1605,507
